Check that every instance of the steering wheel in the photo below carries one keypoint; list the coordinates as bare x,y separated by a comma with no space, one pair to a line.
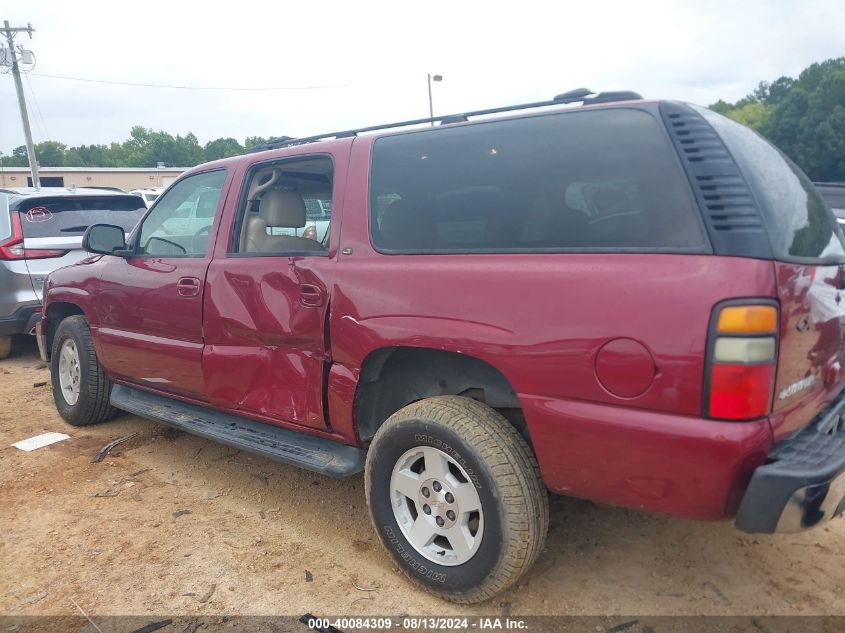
206,230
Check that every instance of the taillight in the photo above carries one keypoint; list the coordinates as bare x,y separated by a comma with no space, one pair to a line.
12,247
742,356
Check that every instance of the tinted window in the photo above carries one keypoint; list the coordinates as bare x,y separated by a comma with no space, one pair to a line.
69,216
589,180
800,224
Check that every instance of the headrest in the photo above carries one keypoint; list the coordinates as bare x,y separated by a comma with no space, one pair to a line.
282,208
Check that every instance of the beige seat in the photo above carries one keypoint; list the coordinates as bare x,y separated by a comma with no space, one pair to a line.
282,209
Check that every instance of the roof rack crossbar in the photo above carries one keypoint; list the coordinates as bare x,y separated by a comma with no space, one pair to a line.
573,96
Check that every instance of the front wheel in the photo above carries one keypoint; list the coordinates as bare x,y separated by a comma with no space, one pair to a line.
456,497
81,389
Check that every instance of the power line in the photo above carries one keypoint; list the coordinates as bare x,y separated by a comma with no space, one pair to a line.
42,124
39,121
176,87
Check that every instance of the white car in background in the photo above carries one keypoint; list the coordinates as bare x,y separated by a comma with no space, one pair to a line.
148,195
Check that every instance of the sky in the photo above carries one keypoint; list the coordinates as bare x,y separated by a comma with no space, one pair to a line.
349,64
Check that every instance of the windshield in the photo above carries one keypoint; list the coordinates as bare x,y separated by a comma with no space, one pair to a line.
71,216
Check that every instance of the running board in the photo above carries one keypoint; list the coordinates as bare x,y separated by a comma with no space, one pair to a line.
298,449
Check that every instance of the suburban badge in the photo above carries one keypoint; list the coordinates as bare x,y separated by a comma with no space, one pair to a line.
795,387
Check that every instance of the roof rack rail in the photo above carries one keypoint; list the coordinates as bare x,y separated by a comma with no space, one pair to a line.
582,95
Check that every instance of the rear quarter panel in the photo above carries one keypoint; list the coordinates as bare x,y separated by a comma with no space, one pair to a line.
542,319
40,268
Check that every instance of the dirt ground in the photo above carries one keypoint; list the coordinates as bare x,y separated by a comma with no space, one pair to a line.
173,524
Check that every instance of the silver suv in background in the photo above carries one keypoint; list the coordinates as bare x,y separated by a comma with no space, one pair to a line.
41,230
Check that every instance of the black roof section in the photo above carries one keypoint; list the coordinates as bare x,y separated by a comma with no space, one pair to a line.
582,95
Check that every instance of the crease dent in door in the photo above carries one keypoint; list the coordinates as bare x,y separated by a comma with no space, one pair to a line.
264,349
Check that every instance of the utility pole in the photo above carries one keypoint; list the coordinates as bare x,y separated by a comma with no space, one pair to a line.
10,33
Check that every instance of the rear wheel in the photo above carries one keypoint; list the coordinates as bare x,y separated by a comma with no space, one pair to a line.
5,346
81,389
456,497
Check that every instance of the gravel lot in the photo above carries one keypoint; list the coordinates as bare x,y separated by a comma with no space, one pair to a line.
172,524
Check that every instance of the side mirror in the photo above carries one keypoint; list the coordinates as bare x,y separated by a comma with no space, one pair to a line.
104,239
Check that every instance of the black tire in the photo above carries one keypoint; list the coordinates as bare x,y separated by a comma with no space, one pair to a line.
506,476
92,406
5,346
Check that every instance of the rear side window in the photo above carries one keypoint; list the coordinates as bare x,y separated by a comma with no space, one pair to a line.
584,181
800,224
70,216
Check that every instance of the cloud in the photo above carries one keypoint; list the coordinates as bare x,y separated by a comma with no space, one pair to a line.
372,58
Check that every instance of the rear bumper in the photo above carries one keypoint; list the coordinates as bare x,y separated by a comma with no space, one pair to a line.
679,465
22,321
803,483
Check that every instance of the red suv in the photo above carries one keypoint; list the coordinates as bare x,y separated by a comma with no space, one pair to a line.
635,302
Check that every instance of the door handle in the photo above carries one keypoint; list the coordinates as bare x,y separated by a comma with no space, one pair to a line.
188,286
310,296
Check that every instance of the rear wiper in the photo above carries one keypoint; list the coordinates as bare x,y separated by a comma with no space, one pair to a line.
74,229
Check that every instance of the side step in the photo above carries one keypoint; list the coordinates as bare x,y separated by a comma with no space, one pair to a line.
298,449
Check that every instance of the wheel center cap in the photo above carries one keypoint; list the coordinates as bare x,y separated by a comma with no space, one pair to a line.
438,503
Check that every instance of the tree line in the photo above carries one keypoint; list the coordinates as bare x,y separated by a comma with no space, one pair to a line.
804,116
143,148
